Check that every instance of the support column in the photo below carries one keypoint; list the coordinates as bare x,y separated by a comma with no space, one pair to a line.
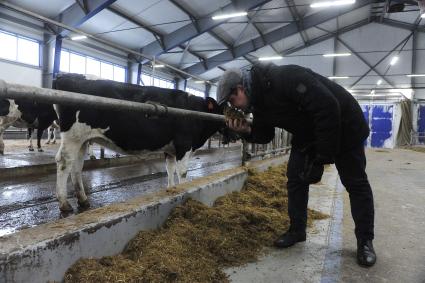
139,74
57,56
46,53
207,90
129,74
181,84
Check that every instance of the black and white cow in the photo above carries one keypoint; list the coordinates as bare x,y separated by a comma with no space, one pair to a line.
126,132
51,136
51,132
25,114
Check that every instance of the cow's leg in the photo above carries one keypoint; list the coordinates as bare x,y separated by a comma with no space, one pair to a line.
39,135
1,141
77,178
182,166
67,153
53,136
48,134
29,137
170,165
91,151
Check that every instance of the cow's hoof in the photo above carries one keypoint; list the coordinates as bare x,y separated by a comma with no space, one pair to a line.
1,152
92,157
54,142
30,149
47,142
84,204
66,207
40,150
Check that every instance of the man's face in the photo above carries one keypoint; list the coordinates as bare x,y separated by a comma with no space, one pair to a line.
239,99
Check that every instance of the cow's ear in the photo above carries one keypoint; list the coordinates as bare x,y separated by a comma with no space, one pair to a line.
211,104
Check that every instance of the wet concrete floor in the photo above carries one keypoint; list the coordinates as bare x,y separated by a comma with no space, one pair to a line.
30,201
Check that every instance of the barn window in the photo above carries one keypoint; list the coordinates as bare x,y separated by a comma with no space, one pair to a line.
8,46
155,81
119,74
64,63
21,49
106,71
77,64
28,52
195,92
92,67
72,62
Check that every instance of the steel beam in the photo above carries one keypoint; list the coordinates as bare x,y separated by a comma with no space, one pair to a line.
157,34
137,22
402,25
273,36
322,38
197,27
358,56
57,56
380,61
98,39
74,16
297,19
371,67
414,55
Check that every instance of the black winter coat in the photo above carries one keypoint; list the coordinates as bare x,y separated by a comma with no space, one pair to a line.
313,108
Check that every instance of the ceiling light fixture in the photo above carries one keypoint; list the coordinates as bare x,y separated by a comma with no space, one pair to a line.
332,3
338,78
379,82
337,55
78,37
158,66
394,60
270,58
227,16
415,75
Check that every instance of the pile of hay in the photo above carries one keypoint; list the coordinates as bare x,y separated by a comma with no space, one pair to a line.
197,241
232,113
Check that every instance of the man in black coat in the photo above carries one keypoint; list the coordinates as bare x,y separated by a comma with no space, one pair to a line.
328,127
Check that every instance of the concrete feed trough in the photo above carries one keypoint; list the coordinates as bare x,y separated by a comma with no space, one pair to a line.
45,252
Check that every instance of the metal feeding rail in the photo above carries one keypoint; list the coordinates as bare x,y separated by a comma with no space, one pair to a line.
54,96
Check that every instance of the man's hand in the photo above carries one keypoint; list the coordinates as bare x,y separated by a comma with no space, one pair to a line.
238,125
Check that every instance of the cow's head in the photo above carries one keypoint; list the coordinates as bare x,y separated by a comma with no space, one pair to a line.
210,128
212,106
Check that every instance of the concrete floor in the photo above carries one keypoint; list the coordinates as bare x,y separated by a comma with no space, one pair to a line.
328,255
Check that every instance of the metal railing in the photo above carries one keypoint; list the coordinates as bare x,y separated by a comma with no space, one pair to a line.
15,91
417,138
54,96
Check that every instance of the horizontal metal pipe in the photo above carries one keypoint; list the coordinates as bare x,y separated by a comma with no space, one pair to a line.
272,151
54,96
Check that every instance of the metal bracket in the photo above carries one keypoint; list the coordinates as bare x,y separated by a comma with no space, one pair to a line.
157,113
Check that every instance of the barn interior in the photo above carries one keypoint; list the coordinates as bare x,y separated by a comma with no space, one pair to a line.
374,49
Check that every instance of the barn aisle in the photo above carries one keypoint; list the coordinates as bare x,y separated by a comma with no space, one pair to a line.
328,255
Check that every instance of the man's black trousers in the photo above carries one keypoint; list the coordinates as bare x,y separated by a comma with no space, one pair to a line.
351,167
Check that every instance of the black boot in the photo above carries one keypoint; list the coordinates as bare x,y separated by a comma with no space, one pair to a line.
365,253
290,238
